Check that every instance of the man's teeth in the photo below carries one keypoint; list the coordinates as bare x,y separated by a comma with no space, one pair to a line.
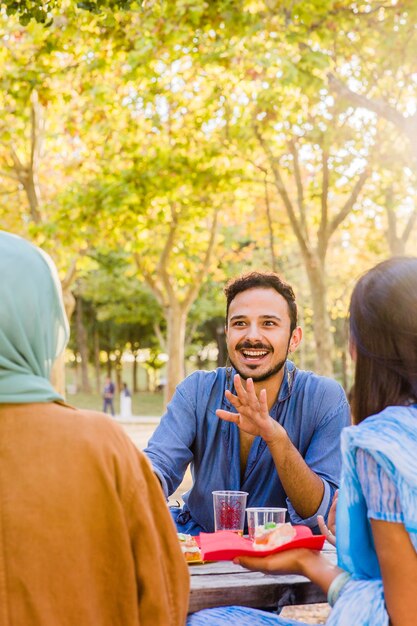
254,353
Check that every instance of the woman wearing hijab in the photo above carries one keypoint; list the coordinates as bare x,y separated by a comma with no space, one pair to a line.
86,537
374,583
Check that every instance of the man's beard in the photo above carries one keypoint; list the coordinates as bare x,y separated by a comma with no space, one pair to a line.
268,374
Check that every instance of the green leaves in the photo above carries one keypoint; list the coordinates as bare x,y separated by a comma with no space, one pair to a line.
26,10
149,120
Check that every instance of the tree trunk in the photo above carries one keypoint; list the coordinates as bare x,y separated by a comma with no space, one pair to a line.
118,369
32,191
395,243
321,321
176,324
135,371
221,346
108,364
270,227
97,360
78,375
82,345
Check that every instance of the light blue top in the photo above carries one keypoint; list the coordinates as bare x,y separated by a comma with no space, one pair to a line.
312,409
389,493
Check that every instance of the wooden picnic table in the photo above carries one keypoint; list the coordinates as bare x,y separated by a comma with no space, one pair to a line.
223,583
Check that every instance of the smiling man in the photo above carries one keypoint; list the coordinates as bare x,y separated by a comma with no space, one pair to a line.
261,425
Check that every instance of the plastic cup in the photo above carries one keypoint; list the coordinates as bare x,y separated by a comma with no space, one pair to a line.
229,510
259,516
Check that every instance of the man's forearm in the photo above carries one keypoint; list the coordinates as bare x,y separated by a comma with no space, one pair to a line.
303,487
159,475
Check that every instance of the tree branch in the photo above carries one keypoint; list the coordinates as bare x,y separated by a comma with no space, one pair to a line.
409,226
347,207
158,293
300,190
282,191
405,124
70,275
9,175
203,269
36,129
160,337
270,225
17,164
392,237
322,235
162,266
26,177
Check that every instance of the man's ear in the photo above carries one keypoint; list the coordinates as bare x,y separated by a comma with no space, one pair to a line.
296,337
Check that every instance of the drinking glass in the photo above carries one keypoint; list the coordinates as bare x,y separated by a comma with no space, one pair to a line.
229,510
259,516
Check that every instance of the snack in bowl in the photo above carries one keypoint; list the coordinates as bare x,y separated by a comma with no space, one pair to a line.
189,548
272,535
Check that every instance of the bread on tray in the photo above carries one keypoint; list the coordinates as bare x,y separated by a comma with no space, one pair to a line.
189,547
272,535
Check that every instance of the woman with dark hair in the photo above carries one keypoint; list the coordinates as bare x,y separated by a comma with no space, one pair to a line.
374,583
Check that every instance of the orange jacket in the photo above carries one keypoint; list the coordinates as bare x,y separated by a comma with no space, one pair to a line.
86,536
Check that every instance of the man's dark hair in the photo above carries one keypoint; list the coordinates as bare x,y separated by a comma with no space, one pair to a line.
383,333
262,280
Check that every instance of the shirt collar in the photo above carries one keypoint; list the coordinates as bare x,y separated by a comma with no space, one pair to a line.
287,381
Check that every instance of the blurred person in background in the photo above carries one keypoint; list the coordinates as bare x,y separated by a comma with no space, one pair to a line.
108,396
125,402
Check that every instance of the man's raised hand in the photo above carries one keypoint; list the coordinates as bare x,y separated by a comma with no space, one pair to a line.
253,414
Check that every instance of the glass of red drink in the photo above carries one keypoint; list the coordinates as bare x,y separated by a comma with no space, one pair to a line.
229,510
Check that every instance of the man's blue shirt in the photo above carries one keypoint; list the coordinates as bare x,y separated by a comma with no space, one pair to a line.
312,409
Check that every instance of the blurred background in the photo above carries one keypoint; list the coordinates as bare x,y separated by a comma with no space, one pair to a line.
156,149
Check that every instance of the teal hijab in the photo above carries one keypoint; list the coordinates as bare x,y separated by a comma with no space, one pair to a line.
33,324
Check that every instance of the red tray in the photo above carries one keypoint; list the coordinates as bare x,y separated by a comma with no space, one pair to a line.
225,545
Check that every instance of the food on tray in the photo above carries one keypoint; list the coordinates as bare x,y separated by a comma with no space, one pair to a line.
189,547
272,535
